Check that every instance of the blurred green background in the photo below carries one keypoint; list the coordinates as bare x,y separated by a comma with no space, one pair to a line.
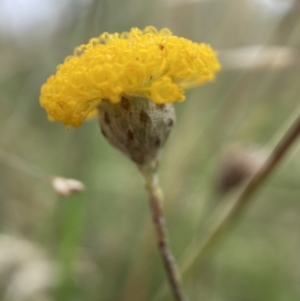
100,245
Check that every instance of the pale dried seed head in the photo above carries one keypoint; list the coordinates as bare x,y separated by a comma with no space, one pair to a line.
137,126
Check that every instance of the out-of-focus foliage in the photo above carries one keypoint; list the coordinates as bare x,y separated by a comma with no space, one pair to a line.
101,246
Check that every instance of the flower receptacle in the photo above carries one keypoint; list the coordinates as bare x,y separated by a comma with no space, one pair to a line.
137,126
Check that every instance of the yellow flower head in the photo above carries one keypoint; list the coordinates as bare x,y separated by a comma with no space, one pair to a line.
146,63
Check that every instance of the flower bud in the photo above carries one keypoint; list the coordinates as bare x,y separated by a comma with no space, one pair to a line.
137,126
238,163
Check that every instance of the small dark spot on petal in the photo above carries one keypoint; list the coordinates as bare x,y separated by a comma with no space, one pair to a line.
170,122
144,117
125,104
161,47
160,106
130,135
106,118
157,142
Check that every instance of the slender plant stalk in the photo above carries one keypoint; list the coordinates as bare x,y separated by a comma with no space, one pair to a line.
234,210
224,219
156,206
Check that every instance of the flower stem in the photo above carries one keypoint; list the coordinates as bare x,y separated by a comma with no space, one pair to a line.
156,205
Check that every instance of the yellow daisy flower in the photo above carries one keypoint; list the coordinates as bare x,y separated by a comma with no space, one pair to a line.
145,63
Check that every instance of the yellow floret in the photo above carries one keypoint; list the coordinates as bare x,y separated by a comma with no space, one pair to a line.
146,63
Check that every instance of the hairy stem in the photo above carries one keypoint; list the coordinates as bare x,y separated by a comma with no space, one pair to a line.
156,206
